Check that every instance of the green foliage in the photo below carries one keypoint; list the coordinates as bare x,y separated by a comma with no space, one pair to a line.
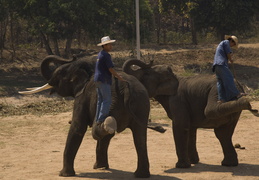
176,21
225,16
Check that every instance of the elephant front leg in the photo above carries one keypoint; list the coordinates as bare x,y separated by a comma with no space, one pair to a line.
102,152
181,143
192,149
74,139
140,141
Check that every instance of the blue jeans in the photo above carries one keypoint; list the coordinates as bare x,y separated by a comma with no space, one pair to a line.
227,89
104,100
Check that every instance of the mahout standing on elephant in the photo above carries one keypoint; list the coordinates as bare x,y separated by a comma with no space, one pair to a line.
226,87
104,69
191,103
130,107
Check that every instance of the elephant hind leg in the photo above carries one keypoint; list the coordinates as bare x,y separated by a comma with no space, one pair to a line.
140,141
224,134
67,173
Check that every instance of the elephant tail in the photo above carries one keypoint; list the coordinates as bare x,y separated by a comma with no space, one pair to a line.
157,128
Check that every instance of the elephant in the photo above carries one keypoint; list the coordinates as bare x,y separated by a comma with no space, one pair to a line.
130,108
191,103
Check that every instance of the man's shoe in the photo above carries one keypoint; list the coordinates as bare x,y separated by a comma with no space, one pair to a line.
110,125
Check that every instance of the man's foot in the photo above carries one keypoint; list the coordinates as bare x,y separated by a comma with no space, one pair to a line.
241,95
101,129
221,101
110,125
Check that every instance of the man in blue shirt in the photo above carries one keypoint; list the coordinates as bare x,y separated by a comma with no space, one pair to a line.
103,78
227,89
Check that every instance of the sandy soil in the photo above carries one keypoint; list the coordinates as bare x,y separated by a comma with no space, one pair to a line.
31,148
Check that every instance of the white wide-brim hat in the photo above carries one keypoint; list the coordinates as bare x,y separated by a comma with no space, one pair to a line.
105,40
234,38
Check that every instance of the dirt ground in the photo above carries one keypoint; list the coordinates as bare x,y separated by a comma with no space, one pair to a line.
31,146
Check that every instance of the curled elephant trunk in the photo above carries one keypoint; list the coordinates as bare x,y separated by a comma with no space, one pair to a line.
50,63
36,89
127,67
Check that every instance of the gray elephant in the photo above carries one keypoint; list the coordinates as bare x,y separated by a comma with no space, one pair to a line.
191,102
130,107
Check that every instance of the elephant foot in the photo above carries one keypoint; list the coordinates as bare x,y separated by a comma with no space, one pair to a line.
67,173
142,174
100,130
183,164
194,160
254,112
229,163
101,166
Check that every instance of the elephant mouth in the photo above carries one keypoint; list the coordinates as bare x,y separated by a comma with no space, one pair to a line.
36,89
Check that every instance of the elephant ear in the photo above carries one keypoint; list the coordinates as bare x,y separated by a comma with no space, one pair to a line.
50,64
70,79
137,72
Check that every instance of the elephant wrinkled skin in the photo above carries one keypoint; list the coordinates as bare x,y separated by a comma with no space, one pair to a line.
130,107
192,104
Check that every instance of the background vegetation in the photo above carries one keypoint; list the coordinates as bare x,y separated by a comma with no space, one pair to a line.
59,25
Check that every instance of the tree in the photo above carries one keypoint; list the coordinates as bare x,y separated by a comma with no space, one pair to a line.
224,16
3,24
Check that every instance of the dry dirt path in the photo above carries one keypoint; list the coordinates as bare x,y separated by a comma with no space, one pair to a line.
31,148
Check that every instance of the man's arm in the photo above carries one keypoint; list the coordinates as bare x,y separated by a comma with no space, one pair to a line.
230,57
114,73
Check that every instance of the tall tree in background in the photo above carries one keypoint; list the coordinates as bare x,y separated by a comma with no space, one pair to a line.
3,24
224,16
175,11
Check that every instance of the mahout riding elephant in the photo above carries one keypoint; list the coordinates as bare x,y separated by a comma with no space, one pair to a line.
192,104
130,108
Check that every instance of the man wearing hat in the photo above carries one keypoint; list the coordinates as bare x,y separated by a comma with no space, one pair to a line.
103,78
227,89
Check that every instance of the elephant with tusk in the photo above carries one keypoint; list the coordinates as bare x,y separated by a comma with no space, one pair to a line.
130,108
191,103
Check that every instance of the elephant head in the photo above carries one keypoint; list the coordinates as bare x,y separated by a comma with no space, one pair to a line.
64,77
158,79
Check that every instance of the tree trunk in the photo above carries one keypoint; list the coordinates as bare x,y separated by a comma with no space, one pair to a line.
12,35
68,46
56,47
3,29
194,33
158,28
46,43
164,36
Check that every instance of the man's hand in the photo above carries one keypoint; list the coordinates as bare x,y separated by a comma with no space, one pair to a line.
115,74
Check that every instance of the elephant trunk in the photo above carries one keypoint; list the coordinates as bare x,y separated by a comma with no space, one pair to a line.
50,63
137,72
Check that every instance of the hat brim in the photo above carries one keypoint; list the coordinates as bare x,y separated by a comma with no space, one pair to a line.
229,36
106,42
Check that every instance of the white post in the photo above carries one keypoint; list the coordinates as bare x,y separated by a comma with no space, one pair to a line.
137,29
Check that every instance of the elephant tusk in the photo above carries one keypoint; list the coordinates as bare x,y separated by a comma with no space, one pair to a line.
36,89
32,88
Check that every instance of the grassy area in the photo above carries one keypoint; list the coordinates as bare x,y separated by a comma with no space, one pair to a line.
39,108
17,75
